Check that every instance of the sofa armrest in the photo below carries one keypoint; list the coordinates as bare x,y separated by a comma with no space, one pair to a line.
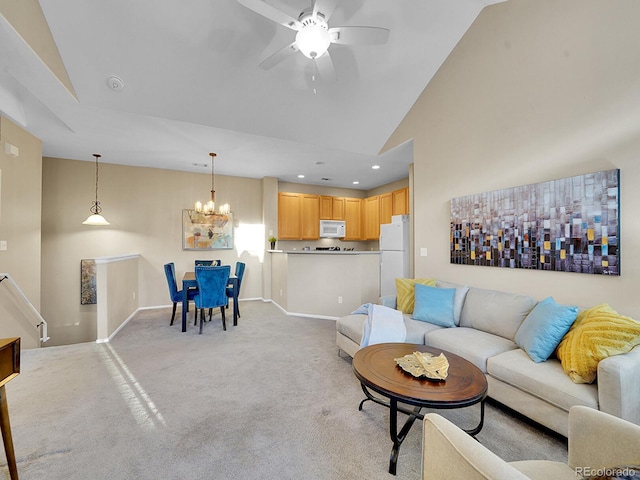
598,440
619,385
388,301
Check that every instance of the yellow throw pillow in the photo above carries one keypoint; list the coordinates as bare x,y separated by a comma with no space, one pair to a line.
597,333
405,292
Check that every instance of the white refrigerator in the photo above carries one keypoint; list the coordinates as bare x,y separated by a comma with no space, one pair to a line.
394,253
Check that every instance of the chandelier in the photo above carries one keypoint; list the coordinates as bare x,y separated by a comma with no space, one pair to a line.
210,207
95,218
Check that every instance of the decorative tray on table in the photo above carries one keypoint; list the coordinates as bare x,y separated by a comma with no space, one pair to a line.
425,365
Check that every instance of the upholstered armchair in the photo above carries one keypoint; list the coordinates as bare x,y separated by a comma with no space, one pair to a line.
597,441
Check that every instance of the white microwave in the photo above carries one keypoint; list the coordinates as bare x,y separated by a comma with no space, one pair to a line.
332,228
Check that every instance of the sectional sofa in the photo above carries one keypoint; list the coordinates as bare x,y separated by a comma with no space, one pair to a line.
487,323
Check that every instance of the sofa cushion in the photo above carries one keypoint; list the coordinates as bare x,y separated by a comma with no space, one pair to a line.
597,333
434,305
458,301
416,329
405,292
495,312
473,345
544,327
545,380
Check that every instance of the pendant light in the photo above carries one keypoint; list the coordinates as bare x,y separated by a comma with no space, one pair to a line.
95,218
210,207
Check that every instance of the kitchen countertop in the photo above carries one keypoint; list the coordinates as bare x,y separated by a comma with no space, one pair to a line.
327,252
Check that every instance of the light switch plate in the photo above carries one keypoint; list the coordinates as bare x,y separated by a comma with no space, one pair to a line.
3,244
423,252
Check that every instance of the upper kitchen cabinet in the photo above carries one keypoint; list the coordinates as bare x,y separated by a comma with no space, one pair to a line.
326,207
400,202
353,218
331,208
310,217
371,218
386,207
298,216
289,216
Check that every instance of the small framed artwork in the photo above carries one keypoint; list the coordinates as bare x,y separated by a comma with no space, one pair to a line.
206,232
88,282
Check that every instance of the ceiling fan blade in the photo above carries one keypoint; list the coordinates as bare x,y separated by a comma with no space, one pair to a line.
359,35
271,13
277,57
325,67
324,7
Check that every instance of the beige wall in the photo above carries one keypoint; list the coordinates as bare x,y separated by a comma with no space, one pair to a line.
20,208
536,90
144,207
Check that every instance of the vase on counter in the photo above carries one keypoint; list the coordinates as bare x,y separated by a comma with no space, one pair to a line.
273,245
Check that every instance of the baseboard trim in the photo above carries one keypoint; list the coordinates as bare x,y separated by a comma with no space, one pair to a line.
306,315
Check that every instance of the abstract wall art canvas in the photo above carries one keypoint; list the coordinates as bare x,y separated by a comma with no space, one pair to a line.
567,225
88,289
206,232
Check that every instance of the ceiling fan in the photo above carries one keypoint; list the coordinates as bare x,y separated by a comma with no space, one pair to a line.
314,34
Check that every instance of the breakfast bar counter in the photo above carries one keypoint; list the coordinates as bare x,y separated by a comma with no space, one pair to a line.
324,283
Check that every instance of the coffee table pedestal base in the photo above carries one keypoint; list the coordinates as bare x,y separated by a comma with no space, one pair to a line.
413,414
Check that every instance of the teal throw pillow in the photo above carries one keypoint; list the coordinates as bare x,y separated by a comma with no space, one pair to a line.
434,305
544,327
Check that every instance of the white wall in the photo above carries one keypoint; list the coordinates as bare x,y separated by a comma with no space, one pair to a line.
536,90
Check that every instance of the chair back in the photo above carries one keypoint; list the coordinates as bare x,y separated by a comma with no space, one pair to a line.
212,286
170,273
239,273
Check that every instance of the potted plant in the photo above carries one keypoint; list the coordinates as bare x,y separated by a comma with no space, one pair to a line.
272,241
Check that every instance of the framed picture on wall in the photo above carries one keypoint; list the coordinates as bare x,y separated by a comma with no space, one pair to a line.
206,232
88,295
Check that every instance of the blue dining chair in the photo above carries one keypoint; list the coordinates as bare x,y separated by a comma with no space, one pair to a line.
174,293
212,284
239,274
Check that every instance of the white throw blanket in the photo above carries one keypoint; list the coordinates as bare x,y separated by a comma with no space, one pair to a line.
383,324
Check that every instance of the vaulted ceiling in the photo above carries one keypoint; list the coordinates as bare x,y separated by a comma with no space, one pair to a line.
191,84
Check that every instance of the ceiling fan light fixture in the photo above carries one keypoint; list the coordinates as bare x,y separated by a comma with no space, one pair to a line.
313,39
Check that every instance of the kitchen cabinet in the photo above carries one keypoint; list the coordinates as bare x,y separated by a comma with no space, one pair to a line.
338,208
298,216
326,207
371,218
310,223
353,218
331,208
386,207
289,216
400,202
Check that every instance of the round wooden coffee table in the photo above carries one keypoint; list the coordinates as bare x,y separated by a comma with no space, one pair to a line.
377,371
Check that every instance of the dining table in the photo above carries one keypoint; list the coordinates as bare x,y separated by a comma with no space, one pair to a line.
189,281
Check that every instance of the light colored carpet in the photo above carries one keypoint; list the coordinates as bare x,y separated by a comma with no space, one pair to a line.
268,399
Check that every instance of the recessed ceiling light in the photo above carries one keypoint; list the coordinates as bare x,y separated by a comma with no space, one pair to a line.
300,176
356,182
376,167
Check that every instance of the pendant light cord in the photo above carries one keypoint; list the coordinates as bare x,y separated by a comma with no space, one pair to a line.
96,205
